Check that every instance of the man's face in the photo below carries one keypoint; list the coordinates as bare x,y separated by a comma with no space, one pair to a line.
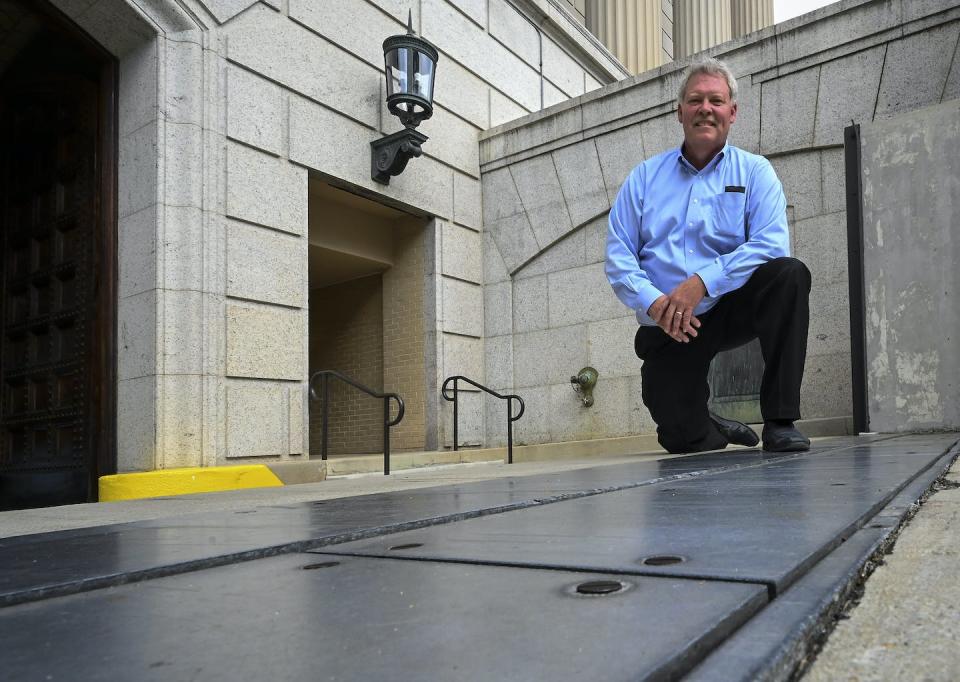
706,112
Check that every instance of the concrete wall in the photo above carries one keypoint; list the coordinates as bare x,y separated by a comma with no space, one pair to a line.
549,180
911,181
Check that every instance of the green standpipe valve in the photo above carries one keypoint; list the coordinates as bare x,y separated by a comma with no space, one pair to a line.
583,384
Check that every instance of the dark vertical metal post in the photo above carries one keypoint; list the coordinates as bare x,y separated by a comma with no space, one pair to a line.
386,436
324,389
509,430
858,333
456,441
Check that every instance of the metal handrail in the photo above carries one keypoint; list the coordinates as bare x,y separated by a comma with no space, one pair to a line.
325,375
509,398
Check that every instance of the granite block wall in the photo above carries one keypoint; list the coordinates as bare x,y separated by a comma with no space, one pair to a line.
227,109
323,62
549,180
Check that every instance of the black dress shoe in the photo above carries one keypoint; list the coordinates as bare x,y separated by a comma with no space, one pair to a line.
735,432
783,437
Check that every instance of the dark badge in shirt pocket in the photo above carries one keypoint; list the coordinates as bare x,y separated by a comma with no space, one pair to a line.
729,213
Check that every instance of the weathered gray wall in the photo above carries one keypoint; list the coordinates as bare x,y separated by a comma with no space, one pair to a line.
911,185
549,179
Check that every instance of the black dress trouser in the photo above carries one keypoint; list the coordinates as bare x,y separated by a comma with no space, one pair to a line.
773,306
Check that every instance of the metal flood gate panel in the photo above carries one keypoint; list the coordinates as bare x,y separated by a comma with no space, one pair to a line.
765,524
485,597
68,561
374,619
775,642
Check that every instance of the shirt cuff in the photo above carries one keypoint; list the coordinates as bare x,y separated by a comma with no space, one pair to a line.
714,279
647,294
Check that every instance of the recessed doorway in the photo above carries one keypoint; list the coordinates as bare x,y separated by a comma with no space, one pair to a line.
367,283
57,259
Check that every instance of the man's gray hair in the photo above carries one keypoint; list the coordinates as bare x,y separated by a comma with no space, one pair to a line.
713,67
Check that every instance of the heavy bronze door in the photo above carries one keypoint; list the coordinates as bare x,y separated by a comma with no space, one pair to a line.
53,270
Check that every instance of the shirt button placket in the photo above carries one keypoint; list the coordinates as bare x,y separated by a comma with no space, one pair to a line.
697,214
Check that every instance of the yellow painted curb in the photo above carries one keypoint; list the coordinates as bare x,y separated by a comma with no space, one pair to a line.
164,482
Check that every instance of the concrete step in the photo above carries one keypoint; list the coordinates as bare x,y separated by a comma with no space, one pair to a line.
169,482
345,465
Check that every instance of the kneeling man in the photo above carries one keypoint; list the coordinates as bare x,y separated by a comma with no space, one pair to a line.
698,246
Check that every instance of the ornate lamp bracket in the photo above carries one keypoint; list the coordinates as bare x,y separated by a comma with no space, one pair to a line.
389,155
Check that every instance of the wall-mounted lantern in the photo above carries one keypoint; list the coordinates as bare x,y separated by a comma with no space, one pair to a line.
411,65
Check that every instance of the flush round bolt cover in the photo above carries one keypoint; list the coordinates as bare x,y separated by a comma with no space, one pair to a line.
663,560
600,587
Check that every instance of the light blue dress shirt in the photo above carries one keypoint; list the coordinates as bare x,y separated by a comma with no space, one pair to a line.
671,221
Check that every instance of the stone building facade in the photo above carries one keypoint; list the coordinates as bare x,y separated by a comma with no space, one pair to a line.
243,193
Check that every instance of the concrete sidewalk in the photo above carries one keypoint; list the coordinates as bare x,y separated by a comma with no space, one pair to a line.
907,623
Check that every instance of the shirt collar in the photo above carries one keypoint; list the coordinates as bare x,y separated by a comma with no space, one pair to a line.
714,162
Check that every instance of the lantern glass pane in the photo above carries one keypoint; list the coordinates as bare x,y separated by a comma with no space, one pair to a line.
398,69
423,76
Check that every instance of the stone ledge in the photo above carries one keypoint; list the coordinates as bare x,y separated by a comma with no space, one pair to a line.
369,464
540,452
854,25
292,473
647,443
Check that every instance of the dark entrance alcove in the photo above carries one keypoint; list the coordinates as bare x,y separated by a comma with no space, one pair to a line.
57,259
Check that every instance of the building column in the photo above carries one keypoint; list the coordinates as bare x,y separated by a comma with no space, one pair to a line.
699,24
748,16
637,32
